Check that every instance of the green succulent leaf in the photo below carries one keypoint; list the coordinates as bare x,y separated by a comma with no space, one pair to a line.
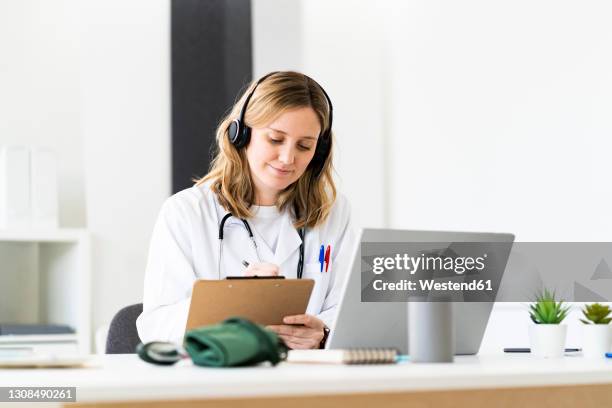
547,310
596,313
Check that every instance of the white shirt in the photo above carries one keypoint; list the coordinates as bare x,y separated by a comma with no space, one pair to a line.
185,247
266,223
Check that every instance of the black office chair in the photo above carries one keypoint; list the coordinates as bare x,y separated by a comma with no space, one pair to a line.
122,334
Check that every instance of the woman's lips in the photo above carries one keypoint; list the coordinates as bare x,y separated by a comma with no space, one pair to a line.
280,172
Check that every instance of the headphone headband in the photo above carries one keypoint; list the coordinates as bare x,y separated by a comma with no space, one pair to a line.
250,95
239,133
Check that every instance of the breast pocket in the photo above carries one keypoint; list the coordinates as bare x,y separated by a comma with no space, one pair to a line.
321,285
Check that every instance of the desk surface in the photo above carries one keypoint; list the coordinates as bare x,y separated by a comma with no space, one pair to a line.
125,377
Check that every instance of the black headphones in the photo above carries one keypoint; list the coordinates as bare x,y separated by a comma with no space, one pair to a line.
239,134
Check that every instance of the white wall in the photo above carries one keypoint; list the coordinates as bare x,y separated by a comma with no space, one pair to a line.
39,91
126,133
92,80
276,32
500,117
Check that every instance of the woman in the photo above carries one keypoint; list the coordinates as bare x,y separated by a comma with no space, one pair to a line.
269,190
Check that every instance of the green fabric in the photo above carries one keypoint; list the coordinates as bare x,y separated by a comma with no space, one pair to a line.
235,342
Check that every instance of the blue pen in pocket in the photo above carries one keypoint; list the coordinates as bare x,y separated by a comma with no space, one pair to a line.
322,256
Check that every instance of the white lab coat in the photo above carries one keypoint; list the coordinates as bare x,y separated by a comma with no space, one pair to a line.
185,247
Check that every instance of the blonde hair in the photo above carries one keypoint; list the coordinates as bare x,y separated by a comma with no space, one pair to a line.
310,198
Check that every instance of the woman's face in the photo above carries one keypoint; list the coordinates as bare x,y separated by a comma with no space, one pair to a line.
279,152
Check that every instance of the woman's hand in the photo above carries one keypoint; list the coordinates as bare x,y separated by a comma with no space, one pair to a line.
300,331
262,269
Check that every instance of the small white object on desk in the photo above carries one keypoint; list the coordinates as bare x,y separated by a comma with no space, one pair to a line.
44,195
14,187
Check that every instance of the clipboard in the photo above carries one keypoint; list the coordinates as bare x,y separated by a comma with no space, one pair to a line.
263,301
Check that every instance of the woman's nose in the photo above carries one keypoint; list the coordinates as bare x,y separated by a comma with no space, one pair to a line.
287,155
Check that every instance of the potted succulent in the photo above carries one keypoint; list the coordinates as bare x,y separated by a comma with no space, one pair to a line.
547,334
597,333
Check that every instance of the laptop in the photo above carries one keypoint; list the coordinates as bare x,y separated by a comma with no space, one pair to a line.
385,324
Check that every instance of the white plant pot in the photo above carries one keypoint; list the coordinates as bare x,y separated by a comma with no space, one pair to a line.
596,340
547,340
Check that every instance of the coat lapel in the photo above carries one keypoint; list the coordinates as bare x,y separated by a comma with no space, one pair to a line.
288,241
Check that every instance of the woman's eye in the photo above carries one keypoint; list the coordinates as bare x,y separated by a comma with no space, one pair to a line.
304,148
276,141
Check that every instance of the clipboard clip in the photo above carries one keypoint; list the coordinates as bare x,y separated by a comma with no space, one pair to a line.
254,277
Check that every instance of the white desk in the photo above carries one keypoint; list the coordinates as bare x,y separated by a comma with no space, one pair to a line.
495,380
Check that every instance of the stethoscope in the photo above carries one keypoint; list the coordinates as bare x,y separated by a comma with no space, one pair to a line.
301,232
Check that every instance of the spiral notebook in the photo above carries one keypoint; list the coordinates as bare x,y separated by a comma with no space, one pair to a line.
347,356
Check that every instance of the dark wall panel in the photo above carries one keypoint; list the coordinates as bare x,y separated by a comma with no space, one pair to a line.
211,63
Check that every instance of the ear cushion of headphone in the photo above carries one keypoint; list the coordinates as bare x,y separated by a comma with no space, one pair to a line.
321,152
233,130
238,134
245,136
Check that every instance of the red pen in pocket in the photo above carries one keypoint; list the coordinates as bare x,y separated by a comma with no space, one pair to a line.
327,253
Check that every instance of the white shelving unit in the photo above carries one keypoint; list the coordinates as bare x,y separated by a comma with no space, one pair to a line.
45,279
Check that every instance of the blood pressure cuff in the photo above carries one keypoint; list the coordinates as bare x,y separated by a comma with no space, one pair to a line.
233,343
